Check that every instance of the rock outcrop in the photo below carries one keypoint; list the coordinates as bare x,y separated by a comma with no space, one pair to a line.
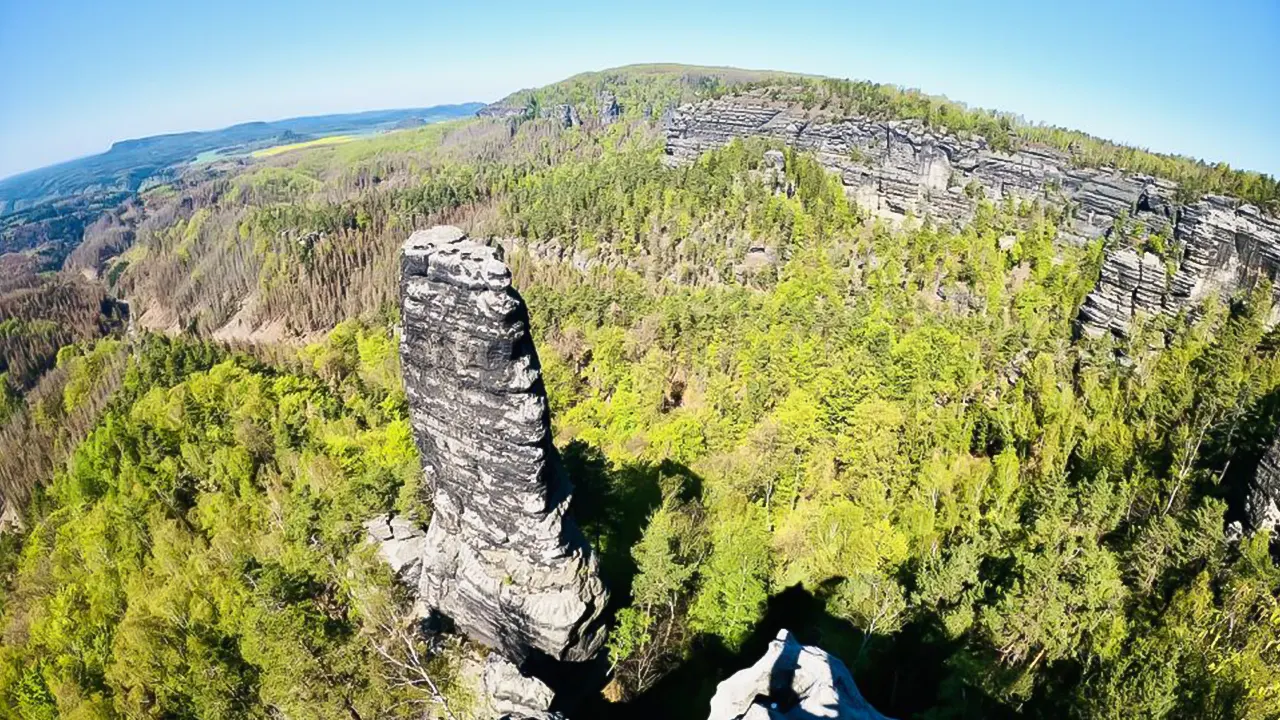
1130,283
500,559
401,543
791,681
1220,248
1262,498
897,167
565,114
610,110
511,694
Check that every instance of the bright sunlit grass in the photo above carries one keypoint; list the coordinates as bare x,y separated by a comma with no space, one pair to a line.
318,142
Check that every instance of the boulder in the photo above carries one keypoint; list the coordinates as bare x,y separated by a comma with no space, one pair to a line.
511,694
793,682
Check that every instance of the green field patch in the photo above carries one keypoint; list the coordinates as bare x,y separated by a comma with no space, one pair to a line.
318,142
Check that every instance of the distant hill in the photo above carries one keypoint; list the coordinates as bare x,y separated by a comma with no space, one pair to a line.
130,163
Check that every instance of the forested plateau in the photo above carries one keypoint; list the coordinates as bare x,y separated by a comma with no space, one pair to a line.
966,401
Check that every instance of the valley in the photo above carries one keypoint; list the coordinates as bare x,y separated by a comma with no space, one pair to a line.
976,406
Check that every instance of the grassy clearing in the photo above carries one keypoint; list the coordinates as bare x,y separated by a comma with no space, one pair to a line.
318,142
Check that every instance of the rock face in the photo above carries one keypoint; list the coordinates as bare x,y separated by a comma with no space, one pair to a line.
1130,283
791,681
900,166
897,167
1262,500
1220,249
500,559
567,115
610,111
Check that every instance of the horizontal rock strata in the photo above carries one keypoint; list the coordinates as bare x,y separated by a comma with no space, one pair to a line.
1220,249
897,167
1262,499
500,558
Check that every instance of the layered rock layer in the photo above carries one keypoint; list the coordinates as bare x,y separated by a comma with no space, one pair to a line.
500,558
897,167
791,681
894,168
1220,248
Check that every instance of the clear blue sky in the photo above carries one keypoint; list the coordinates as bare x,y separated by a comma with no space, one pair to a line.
1200,78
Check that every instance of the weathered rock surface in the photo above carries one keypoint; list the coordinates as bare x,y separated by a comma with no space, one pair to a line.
1262,499
567,115
610,110
401,543
1221,249
500,559
791,681
511,694
1130,283
897,167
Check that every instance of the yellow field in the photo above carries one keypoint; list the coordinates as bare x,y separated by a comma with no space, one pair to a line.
330,140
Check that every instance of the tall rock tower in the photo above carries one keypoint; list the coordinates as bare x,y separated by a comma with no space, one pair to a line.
500,559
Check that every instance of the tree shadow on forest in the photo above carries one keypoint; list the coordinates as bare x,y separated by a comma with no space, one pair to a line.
903,675
611,505
1238,453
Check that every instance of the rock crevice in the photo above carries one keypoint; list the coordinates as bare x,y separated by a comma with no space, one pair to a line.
1220,248
1262,497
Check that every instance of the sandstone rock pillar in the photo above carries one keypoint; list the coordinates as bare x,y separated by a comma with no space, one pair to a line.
500,558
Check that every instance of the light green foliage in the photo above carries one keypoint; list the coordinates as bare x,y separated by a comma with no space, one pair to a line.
84,370
735,578
629,635
664,558
896,422
272,184
10,399
652,89
629,204
901,422
193,558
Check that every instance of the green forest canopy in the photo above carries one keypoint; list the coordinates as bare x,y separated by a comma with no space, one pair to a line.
996,518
